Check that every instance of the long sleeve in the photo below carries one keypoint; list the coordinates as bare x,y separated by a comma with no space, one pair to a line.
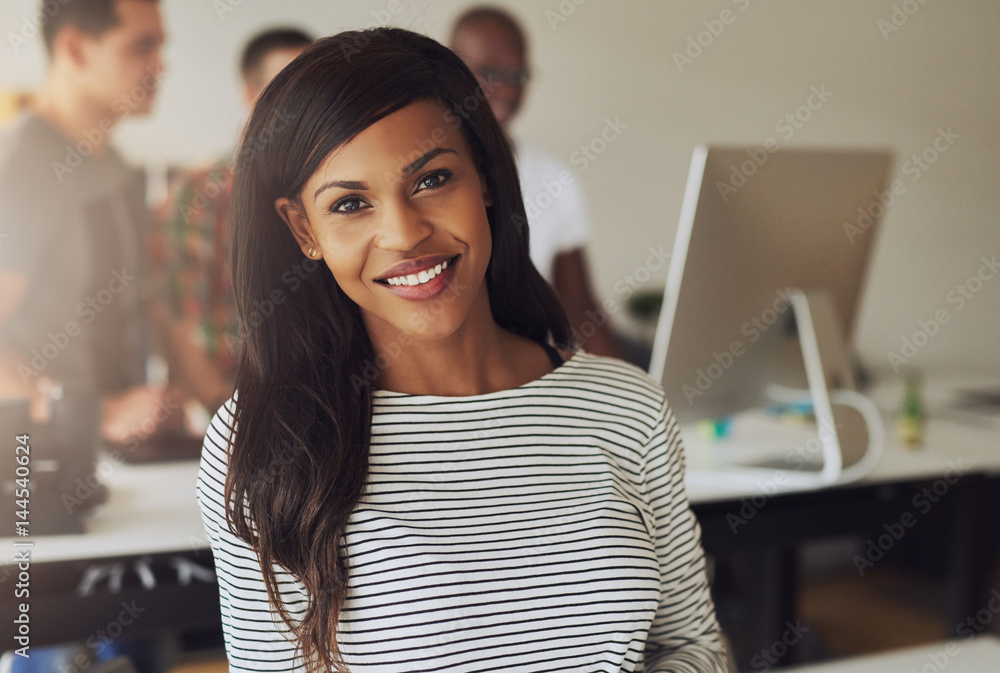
685,636
256,639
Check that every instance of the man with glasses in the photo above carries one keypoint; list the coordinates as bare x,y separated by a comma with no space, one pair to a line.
493,45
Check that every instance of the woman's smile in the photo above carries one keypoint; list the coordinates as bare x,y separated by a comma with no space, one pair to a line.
421,279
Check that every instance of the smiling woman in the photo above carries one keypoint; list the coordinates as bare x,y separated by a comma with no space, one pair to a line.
397,234
412,476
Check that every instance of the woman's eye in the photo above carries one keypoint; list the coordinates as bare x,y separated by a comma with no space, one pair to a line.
432,180
350,204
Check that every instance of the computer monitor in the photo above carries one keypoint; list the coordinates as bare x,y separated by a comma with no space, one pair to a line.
771,252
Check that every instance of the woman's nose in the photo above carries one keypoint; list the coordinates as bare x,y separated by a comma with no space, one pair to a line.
402,227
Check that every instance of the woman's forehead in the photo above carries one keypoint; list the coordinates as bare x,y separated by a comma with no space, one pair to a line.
393,143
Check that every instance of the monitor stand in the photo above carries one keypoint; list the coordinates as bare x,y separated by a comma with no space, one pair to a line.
830,385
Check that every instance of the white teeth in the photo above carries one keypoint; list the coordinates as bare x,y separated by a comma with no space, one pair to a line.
420,277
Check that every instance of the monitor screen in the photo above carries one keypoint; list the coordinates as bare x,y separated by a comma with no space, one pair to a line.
754,226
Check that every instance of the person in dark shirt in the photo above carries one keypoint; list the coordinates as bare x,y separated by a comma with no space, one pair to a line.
74,217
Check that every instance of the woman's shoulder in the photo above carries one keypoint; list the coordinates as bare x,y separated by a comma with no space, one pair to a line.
588,363
220,431
611,376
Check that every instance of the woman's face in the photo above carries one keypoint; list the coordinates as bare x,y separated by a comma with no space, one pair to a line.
399,216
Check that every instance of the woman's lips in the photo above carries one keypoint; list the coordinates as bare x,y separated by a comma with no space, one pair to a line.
413,266
429,289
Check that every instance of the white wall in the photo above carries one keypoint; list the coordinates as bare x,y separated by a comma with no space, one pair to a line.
615,60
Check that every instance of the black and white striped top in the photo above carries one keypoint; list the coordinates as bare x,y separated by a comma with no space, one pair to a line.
541,528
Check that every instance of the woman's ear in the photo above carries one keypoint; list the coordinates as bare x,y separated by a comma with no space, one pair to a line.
298,223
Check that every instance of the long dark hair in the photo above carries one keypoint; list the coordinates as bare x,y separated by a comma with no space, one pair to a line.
299,454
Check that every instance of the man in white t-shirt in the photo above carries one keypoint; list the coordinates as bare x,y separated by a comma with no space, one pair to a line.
492,44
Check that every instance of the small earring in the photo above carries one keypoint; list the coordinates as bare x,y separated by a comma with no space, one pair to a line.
313,252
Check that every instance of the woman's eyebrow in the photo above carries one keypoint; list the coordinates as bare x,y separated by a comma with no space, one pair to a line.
407,171
416,165
343,184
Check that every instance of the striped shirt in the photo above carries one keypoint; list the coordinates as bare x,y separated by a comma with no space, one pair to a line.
540,528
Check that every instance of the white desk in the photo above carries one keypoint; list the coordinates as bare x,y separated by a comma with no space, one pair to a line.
978,655
970,440
150,524
151,509
761,530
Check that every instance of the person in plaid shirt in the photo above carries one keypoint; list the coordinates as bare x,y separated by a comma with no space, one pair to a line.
190,249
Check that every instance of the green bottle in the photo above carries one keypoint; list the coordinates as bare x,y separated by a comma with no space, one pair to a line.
910,424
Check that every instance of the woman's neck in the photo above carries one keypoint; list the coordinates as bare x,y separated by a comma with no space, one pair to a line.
480,357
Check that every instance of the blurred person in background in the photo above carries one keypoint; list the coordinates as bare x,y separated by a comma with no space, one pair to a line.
74,217
193,299
495,48
74,214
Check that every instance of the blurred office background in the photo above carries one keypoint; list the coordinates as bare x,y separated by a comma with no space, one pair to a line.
665,77
895,74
